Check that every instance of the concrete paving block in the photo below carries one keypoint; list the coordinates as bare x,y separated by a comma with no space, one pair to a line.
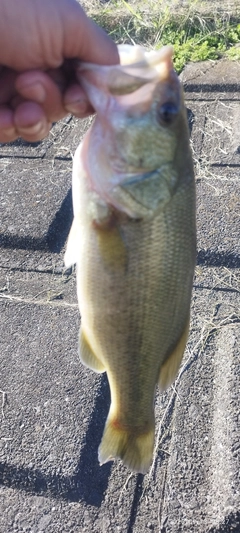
206,79
35,206
218,207
222,123
215,139
31,195
215,132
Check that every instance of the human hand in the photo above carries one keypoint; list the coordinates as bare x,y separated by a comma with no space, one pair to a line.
38,41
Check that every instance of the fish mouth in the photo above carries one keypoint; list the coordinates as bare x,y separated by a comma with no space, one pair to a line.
137,67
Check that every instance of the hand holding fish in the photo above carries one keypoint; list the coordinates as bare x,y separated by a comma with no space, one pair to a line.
38,40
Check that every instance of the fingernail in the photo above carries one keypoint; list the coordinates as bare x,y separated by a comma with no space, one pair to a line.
78,106
9,132
35,91
32,130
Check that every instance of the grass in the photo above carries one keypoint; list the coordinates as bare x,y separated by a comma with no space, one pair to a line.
195,36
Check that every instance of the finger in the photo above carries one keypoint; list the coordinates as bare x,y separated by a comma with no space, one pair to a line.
76,102
97,47
7,129
39,87
30,122
47,89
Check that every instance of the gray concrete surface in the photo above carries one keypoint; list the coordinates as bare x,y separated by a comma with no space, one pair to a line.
53,410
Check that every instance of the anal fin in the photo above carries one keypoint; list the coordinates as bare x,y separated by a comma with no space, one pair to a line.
87,356
171,366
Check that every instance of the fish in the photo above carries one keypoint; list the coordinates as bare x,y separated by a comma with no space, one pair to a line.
133,239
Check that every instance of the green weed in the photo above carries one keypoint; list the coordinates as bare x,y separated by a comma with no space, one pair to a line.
195,37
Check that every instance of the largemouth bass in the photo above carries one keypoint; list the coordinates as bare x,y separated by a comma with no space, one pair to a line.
133,239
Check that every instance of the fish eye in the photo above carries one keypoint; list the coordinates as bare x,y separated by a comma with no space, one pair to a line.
167,112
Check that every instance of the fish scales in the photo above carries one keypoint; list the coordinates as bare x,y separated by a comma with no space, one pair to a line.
134,277
121,311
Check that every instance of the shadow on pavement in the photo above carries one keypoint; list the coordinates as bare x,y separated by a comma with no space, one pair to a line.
217,259
211,87
55,238
231,524
88,483
135,504
60,226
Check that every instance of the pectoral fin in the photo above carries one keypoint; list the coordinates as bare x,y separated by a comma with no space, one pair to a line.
170,367
71,254
87,356
112,248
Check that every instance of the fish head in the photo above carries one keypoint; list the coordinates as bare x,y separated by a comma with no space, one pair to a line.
140,123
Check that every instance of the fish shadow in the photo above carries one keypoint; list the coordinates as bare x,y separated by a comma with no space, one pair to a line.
213,258
89,481
190,119
60,226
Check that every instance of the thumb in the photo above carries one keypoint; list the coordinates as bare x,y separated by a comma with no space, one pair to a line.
87,41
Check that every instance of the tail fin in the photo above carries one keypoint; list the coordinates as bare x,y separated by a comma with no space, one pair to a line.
135,449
